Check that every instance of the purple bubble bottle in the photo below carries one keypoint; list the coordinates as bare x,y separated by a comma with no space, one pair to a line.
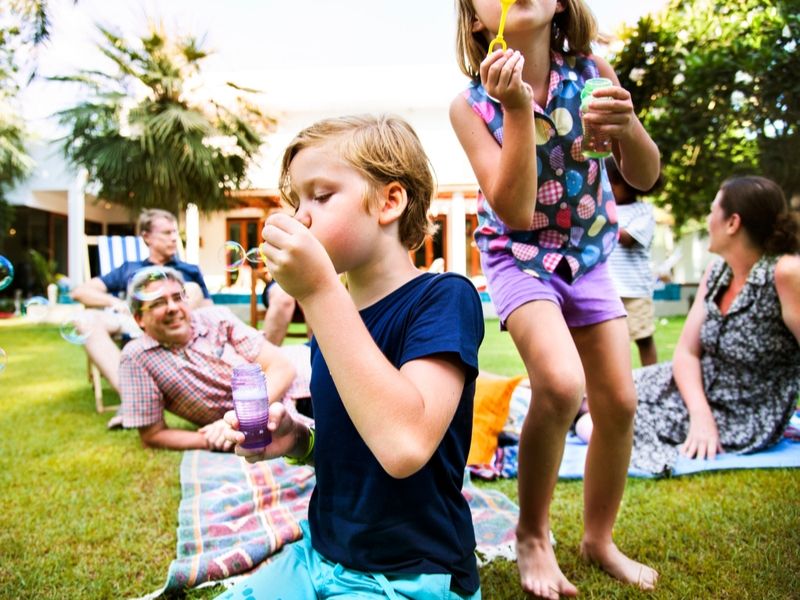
251,404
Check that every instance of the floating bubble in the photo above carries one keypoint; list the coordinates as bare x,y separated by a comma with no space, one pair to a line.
36,308
75,329
3,360
152,284
232,255
6,272
255,256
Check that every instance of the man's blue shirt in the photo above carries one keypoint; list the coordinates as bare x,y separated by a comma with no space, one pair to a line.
117,280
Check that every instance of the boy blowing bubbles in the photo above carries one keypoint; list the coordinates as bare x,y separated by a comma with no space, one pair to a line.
394,361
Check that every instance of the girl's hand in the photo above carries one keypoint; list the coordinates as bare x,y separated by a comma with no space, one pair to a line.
296,259
501,76
703,438
281,425
611,112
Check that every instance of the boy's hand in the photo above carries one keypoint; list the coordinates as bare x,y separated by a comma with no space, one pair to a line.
501,76
611,112
296,259
281,425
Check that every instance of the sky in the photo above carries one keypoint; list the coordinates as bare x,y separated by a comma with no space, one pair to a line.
300,43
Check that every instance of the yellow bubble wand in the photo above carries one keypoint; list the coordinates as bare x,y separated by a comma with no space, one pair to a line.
505,4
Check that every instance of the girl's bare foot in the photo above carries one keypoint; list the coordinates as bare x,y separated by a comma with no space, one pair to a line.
539,572
609,558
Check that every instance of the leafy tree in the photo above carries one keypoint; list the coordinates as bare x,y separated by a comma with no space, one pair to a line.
142,139
23,24
716,85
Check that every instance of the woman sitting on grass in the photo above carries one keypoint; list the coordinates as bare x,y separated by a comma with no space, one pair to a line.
734,380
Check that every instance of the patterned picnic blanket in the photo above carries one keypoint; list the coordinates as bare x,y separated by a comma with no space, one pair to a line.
233,516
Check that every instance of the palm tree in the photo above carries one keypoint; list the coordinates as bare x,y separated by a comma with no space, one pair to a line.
157,148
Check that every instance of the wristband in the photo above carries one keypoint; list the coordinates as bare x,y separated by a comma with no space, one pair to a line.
303,460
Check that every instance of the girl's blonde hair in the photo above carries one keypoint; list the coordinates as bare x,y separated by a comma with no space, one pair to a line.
573,31
384,149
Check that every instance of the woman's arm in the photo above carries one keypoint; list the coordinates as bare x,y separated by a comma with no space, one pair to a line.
635,152
506,174
702,441
787,283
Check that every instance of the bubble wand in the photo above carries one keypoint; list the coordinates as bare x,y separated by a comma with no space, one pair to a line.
505,4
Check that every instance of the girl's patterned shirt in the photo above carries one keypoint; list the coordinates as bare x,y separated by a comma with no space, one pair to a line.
575,217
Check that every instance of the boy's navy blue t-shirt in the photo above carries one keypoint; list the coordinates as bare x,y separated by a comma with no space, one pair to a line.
359,515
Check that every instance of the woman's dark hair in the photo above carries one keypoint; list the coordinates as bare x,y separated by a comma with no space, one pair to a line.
762,207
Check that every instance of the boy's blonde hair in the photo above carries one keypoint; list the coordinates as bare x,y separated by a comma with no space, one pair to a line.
384,149
573,31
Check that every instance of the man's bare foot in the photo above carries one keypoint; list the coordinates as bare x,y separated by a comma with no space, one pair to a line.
615,563
539,572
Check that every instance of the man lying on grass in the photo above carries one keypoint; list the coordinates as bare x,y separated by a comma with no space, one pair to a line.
184,363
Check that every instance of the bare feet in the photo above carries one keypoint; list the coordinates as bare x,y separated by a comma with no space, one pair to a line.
539,572
615,563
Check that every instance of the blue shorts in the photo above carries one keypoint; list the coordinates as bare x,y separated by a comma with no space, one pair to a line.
590,300
300,573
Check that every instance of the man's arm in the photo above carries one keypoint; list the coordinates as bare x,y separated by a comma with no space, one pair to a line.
159,435
209,437
94,293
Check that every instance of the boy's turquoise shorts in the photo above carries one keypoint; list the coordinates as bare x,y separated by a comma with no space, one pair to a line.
301,573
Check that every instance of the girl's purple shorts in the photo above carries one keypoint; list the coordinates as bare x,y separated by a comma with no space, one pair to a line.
590,300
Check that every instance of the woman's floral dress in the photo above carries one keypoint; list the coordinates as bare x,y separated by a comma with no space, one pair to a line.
751,374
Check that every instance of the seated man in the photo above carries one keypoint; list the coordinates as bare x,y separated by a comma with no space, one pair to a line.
184,364
159,230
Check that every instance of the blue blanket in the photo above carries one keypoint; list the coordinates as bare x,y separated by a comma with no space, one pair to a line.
785,454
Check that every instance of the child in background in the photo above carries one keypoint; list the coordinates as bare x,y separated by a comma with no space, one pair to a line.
629,263
393,374
547,224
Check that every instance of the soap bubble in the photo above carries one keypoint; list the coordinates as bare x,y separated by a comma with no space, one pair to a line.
232,255
36,308
152,286
6,272
75,328
3,360
255,256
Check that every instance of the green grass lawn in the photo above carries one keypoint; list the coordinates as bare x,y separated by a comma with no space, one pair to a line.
88,513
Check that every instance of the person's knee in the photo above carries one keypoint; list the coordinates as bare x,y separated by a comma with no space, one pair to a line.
92,323
613,407
558,395
194,294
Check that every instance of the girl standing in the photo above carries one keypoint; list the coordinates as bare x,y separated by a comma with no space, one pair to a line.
547,223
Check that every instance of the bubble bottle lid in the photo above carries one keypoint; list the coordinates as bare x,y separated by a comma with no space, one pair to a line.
505,5
595,83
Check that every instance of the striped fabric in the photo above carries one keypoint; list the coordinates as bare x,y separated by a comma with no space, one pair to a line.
114,250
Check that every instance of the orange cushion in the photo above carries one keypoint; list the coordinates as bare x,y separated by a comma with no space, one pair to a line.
492,399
